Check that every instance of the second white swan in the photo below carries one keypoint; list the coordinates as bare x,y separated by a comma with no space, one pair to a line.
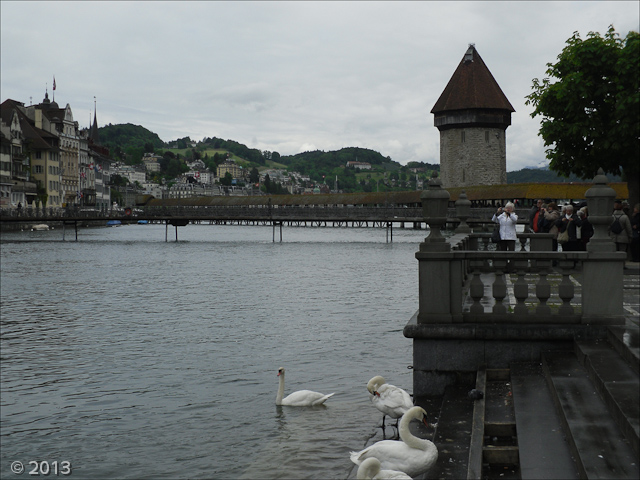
301,398
411,455
389,399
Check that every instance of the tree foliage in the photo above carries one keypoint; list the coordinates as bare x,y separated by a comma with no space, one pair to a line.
127,135
591,109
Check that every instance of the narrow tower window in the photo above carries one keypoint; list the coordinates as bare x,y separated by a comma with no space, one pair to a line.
462,136
486,136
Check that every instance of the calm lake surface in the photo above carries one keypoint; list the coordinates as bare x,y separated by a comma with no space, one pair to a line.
132,357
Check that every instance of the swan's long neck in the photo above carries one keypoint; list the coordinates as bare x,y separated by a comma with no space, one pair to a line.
409,438
280,390
368,469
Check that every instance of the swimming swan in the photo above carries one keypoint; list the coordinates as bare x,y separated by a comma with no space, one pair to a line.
389,399
410,454
370,470
301,398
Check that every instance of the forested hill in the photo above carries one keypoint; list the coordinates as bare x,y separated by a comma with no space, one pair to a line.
127,135
320,161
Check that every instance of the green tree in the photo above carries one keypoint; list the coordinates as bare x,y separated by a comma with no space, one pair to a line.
591,112
175,168
254,175
227,179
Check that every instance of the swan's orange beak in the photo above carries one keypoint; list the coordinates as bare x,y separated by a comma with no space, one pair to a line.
424,420
376,393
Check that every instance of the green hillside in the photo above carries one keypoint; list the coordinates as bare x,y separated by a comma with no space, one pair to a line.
128,135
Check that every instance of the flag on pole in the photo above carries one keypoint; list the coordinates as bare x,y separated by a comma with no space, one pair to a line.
54,82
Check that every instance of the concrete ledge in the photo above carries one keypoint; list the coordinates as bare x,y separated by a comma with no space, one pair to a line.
503,331
449,353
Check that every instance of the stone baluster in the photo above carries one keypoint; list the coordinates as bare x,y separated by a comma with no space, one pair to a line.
521,288
566,290
543,288
499,287
463,211
476,287
523,243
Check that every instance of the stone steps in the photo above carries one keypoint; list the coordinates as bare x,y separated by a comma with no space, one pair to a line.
452,434
544,451
617,384
594,437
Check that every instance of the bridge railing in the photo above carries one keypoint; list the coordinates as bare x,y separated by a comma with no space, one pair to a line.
463,280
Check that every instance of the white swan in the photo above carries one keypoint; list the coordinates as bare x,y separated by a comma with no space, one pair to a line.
411,455
369,469
389,399
301,398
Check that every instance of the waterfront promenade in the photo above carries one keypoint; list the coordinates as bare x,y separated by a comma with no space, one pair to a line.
551,344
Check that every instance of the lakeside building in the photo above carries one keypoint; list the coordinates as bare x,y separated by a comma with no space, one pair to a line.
48,161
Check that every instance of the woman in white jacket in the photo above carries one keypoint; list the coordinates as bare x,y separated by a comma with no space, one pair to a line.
507,220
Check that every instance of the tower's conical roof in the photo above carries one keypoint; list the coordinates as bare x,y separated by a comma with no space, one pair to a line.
472,86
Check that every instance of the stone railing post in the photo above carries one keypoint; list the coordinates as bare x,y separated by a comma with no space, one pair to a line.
600,200
603,271
434,257
463,211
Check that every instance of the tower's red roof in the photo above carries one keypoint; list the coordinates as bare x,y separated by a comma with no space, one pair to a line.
472,86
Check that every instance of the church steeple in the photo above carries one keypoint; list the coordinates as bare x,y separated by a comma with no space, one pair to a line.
93,132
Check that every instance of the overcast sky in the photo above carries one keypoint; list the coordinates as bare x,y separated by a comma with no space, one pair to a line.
289,76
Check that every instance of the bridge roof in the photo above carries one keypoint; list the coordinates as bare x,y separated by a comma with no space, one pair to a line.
533,191
529,191
383,198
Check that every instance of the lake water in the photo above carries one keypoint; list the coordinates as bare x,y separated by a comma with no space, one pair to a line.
132,357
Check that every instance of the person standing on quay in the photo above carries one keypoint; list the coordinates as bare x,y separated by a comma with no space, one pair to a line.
534,215
551,216
570,222
586,232
507,220
623,238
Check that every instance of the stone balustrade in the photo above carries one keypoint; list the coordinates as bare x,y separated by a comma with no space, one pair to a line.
478,306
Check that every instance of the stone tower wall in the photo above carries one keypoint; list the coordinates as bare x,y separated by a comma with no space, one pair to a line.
472,156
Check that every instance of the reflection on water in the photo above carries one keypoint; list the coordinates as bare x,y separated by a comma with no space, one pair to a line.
133,357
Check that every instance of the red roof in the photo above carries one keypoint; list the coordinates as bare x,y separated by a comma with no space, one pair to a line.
472,86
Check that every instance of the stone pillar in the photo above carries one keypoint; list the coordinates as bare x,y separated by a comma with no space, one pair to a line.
603,271
434,257
463,211
600,200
